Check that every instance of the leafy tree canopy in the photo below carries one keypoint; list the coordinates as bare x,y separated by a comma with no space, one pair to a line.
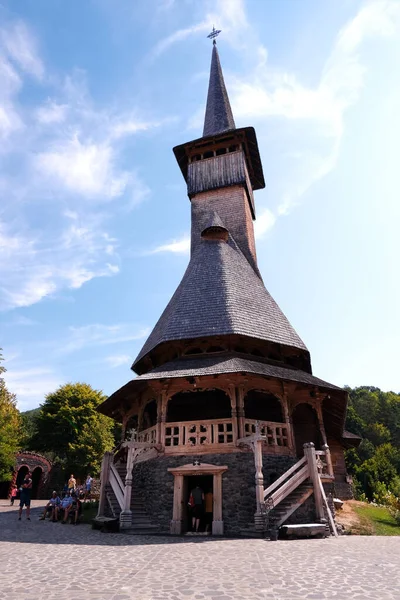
375,416
10,429
69,428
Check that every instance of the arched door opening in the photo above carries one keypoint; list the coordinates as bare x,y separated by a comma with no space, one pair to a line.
263,406
199,405
305,426
36,481
22,471
149,415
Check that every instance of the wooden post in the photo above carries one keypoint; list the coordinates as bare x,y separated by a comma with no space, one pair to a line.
325,446
288,420
232,396
164,404
159,411
125,517
176,523
328,457
104,474
217,524
240,410
309,453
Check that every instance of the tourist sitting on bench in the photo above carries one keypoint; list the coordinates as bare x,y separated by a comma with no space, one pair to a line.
75,509
65,507
51,507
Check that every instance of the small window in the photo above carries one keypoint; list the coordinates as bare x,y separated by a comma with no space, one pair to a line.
209,154
256,352
220,151
194,351
232,148
240,349
215,349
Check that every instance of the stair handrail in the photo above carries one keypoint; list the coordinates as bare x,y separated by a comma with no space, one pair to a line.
300,463
116,485
293,483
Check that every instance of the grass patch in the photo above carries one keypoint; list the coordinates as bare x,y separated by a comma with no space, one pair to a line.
374,520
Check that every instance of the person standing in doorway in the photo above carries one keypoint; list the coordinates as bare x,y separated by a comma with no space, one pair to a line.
197,495
208,506
25,497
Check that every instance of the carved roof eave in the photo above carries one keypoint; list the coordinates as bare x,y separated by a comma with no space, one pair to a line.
250,147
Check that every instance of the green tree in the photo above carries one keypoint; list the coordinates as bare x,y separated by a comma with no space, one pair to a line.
71,430
10,428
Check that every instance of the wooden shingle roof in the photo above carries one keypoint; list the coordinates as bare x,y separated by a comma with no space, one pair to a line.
218,117
220,294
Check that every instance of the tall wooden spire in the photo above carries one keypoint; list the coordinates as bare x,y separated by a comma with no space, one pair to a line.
219,117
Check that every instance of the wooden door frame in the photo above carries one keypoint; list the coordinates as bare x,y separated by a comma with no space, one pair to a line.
191,470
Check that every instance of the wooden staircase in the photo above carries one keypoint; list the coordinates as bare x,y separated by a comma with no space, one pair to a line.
285,495
289,505
141,522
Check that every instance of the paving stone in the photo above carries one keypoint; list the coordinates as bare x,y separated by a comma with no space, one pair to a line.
44,560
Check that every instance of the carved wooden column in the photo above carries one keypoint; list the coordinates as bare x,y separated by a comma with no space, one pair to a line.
240,410
259,477
217,524
163,417
104,474
232,396
125,517
159,411
325,446
309,453
176,523
287,417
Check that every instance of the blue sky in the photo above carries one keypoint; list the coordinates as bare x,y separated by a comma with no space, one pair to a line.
94,217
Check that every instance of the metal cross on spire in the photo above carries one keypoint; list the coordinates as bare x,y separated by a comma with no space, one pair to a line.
215,33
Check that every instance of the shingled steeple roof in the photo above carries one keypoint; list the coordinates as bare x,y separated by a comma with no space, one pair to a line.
219,117
220,294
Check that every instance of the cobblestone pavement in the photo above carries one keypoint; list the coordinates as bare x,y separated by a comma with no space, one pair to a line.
48,560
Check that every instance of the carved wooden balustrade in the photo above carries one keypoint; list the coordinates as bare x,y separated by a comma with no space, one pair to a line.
148,435
198,435
276,434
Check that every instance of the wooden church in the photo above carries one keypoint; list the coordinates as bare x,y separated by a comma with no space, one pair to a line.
224,398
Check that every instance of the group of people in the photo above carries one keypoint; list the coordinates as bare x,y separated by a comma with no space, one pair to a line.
70,505
201,509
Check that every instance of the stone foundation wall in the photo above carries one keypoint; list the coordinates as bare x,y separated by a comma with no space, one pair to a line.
156,486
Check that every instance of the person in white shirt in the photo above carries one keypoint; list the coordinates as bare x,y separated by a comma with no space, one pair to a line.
51,506
65,507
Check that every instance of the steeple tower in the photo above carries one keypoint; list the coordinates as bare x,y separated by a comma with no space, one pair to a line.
219,117
221,294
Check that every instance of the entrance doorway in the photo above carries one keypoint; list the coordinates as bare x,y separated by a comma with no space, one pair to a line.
186,476
305,425
36,481
205,483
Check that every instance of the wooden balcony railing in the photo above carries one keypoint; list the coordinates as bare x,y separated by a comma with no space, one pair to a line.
198,434
276,433
148,435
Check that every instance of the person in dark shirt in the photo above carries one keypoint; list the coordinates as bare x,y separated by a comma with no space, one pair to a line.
196,502
25,497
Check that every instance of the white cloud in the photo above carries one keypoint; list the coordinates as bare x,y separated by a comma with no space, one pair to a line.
181,246
83,167
230,14
32,268
31,384
264,222
118,360
21,47
100,335
51,112
316,114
